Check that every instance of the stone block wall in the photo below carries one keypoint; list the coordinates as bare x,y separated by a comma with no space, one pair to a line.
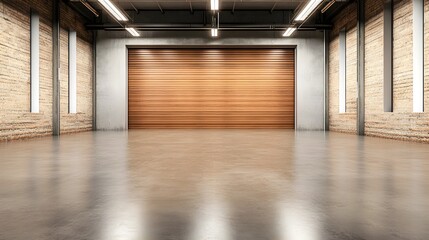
402,123
82,120
343,122
16,120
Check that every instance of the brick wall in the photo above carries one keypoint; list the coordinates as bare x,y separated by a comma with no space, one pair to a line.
343,122
373,65
374,57
402,123
16,121
82,120
402,56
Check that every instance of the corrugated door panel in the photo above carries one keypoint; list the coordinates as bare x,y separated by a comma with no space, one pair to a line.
211,88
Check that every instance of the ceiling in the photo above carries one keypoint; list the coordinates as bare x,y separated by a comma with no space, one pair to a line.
196,15
205,4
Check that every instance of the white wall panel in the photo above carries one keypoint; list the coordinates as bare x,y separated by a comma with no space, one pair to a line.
418,55
72,72
342,71
35,62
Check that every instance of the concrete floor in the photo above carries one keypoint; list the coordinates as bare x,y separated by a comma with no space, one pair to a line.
214,185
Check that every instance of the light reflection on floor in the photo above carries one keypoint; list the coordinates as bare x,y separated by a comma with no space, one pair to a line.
214,184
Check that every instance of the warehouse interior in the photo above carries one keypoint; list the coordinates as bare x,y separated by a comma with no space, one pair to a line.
214,119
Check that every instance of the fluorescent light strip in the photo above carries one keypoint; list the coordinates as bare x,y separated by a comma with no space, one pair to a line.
214,32
214,5
113,10
308,9
289,32
133,32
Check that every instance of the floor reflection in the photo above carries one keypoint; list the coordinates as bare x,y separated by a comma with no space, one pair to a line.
124,221
214,184
212,219
297,221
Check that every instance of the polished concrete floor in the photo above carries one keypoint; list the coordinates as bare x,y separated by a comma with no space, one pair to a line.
214,185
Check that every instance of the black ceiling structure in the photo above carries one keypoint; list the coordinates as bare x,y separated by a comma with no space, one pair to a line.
187,15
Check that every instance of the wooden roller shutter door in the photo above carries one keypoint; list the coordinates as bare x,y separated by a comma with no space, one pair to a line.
211,88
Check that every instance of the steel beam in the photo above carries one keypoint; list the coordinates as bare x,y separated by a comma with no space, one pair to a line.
274,6
190,7
202,27
233,8
160,8
135,9
78,10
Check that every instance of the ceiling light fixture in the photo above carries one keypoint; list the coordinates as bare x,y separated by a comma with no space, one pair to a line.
214,5
307,10
289,31
133,32
113,10
214,32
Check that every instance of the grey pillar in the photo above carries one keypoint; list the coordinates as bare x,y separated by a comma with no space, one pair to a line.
326,36
55,68
388,56
94,80
361,68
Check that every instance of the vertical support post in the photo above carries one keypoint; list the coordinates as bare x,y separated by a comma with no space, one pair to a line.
388,56
94,81
326,52
55,68
361,68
